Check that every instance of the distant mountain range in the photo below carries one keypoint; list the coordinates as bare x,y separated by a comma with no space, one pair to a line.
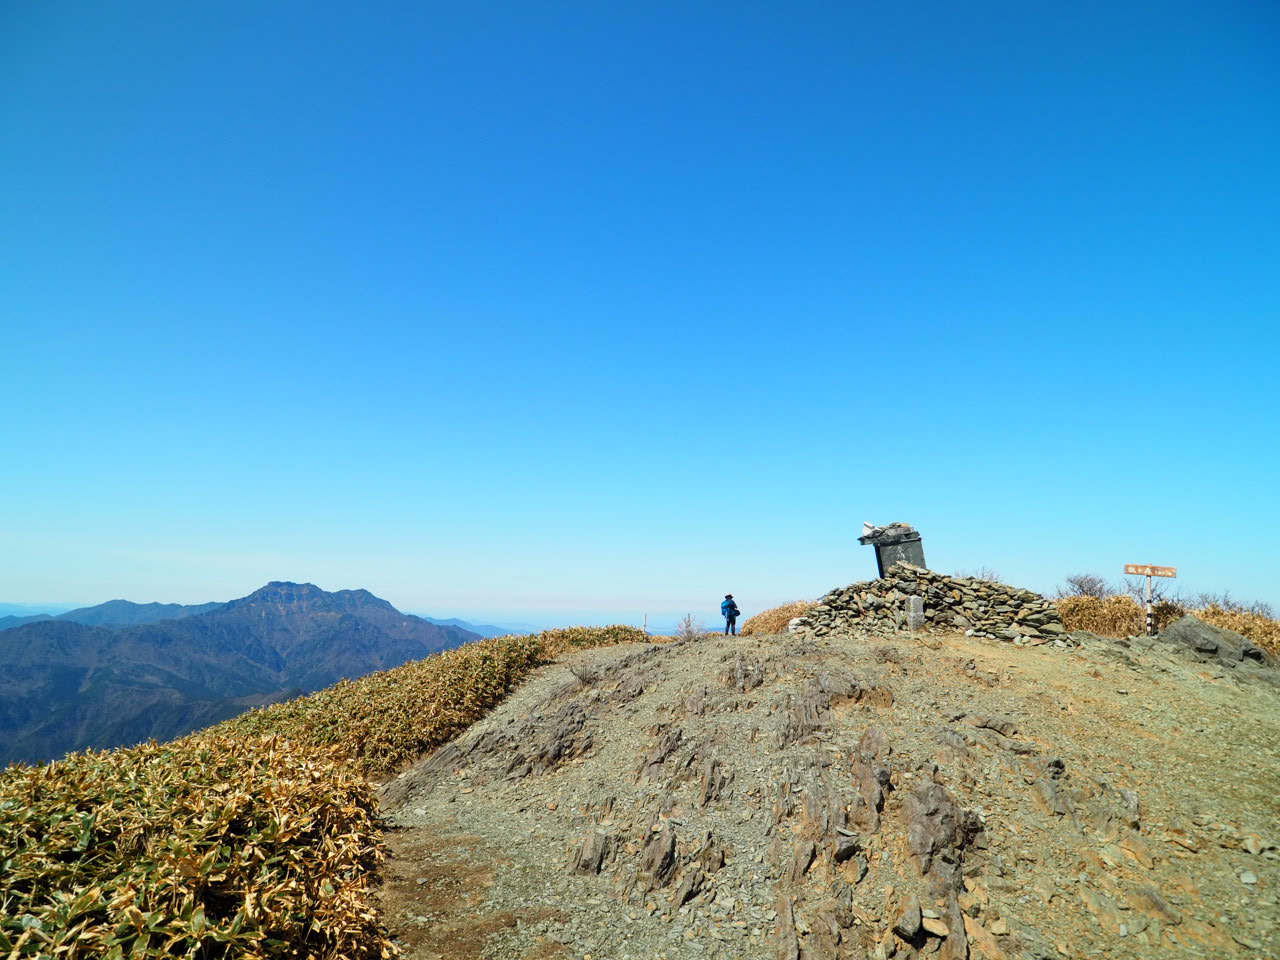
484,629
26,609
120,675
115,613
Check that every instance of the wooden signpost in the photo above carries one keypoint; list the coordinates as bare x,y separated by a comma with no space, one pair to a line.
1148,571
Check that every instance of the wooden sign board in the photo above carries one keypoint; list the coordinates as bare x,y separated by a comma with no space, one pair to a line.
1146,570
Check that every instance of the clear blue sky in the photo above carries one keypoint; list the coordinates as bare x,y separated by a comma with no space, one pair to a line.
580,310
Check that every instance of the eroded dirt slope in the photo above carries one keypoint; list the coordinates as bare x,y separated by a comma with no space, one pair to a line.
851,797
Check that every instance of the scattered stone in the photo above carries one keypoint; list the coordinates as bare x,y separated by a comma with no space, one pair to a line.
913,598
909,920
593,852
658,860
935,926
1001,725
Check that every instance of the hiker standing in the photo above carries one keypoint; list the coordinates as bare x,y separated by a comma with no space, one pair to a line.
729,610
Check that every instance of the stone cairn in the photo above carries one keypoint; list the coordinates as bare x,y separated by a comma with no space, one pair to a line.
980,608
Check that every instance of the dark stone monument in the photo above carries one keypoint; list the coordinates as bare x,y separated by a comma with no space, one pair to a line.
894,543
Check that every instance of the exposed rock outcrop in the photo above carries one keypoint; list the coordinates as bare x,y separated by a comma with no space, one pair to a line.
1205,642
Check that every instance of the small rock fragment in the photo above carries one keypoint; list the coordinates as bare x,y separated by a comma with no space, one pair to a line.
908,923
935,926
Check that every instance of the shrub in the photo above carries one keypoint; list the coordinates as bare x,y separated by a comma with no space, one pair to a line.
384,720
776,619
1203,601
1086,585
690,628
989,574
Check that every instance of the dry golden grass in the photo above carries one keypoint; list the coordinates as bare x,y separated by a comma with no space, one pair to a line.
257,838
556,643
212,846
1118,616
776,619
1124,617
387,719
1263,631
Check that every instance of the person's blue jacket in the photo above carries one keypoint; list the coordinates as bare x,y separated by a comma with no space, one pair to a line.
729,610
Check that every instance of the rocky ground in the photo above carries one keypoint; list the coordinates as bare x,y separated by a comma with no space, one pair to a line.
851,796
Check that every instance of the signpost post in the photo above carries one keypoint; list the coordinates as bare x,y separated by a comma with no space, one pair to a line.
1148,571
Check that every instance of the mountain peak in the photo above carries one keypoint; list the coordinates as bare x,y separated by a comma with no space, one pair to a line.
276,589
285,593
158,677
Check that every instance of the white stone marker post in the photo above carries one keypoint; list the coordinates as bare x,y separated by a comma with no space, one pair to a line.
915,613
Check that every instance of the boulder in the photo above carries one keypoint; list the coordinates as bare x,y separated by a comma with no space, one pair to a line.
1203,641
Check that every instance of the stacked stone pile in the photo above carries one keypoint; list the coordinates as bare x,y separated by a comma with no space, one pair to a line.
981,608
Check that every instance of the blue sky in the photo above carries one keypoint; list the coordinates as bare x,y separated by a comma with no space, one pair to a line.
577,311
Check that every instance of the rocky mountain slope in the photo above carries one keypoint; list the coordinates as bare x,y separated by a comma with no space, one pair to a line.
853,795
68,686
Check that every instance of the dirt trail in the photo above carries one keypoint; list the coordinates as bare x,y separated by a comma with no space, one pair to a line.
850,796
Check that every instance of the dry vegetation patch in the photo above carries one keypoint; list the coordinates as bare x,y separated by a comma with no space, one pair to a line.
212,846
1122,616
775,620
1112,616
1262,630
387,719
565,639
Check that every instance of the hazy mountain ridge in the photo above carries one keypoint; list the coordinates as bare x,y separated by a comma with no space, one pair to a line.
484,629
70,685
114,613
11,621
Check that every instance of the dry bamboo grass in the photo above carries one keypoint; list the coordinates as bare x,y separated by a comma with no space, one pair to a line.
257,838
556,643
387,719
1263,631
1118,616
1123,616
210,847
775,620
